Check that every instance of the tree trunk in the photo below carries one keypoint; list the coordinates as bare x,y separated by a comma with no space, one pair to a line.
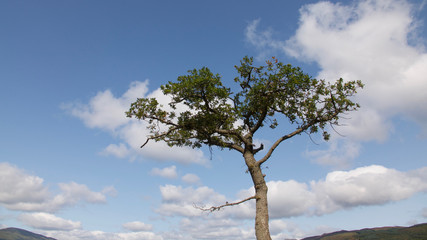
262,231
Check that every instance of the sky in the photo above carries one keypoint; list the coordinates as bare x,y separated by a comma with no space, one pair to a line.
71,166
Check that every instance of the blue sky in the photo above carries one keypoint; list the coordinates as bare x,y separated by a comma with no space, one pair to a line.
70,162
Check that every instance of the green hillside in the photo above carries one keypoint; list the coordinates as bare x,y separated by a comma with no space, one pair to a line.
20,234
417,232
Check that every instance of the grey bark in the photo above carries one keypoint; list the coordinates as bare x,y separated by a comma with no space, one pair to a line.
262,231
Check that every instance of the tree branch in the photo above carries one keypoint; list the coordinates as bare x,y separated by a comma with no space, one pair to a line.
148,139
301,129
256,150
225,133
283,138
260,121
227,204
222,144
159,136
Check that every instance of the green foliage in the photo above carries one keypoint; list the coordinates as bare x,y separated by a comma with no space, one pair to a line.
215,116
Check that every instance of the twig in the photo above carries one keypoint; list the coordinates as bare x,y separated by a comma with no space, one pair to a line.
145,143
227,204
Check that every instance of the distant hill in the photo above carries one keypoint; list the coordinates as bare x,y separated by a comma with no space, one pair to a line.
20,234
417,232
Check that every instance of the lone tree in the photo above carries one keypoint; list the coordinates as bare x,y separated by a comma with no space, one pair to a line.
216,116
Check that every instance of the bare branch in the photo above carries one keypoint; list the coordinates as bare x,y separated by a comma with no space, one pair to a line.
296,132
227,204
283,138
312,140
332,126
259,148
158,136
148,139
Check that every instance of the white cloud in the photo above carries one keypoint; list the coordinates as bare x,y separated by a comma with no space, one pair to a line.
340,153
280,229
136,236
375,41
375,34
72,193
137,226
107,112
24,192
373,185
119,151
19,187
215,229
179,201
167,172
190,178
100,235
46,221
365,186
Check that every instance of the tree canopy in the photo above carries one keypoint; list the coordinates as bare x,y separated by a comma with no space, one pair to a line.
216,116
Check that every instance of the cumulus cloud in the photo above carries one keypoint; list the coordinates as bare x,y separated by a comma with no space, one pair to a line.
104,110
374,41
190,178
137,226
373,185
72,193
19,187
180,201
364,186
167,172
100,235
215,229
46,221
117,150
24,192
107,112
376,34
280,229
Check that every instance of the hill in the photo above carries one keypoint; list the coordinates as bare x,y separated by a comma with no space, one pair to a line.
20,234
416,232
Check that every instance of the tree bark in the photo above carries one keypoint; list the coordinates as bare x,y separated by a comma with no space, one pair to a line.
262,231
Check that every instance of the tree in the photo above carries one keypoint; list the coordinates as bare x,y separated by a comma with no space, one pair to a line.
216,116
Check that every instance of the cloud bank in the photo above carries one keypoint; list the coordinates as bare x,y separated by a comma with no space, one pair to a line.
364,186
338,190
